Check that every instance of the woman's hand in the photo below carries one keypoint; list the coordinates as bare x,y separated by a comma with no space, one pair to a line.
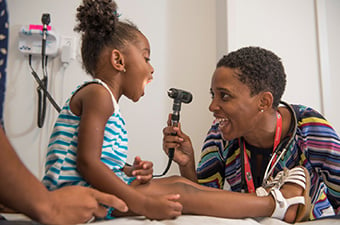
184,153
77,204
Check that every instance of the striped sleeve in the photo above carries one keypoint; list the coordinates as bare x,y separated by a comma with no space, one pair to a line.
322,148
210,170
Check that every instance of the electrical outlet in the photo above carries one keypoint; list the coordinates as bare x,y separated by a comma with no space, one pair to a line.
68,48
67,41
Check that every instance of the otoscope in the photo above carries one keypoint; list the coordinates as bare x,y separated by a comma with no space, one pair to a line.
45,19
179,96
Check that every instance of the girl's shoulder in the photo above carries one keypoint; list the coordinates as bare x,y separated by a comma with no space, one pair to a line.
90,96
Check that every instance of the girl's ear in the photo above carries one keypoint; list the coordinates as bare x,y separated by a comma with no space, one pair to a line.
266,101
117,60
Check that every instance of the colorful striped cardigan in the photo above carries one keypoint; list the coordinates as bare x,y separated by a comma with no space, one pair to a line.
316,146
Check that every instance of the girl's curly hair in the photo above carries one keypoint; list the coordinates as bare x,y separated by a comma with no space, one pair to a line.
100,27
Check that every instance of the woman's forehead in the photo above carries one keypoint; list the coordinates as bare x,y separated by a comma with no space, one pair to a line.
227,79
225,75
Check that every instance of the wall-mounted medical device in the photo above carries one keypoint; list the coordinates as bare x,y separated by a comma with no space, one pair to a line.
42,41
30,43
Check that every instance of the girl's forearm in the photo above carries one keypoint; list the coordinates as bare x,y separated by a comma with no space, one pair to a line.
102,178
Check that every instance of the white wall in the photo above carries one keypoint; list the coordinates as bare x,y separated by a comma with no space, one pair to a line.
329,22
305,34
186,41
288,29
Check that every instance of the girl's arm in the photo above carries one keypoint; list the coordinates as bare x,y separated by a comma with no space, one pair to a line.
96,108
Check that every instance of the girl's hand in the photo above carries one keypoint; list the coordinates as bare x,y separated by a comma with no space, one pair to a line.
167,207
142,170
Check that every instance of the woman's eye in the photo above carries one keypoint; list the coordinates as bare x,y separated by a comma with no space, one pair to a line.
212,94
224,96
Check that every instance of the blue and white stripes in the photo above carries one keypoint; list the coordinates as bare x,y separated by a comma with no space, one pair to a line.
61,160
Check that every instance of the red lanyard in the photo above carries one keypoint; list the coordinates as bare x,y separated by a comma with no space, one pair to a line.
247,171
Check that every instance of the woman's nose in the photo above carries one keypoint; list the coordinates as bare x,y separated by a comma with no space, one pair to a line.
213,106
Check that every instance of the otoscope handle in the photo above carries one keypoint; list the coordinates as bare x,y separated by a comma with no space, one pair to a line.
171,153
179,96
174,123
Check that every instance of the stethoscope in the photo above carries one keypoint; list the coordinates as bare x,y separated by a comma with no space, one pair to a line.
278,153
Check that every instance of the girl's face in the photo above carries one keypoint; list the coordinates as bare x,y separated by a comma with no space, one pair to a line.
232,105
138,68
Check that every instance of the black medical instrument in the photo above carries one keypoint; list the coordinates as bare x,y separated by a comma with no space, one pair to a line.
45,19
42,86
179,96
42,83
279,152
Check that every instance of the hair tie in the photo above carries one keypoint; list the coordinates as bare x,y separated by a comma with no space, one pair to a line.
116,14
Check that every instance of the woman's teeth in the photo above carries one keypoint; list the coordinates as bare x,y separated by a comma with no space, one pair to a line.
222,122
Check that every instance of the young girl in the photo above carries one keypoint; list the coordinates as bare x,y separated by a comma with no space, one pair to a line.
88,145
89,140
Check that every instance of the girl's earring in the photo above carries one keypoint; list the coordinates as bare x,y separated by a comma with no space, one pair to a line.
124,70
261,110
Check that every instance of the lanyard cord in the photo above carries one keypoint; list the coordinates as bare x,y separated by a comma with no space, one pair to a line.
282,152
245,169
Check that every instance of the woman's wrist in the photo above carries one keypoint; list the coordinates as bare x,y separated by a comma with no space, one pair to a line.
188,171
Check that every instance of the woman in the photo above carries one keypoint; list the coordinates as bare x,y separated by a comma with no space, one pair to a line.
251,127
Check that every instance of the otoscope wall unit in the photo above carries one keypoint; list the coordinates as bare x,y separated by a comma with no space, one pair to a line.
30,43
42,41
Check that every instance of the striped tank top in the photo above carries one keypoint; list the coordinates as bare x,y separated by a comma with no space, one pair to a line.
61,158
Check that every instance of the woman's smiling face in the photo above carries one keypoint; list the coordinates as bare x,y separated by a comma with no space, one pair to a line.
236,110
